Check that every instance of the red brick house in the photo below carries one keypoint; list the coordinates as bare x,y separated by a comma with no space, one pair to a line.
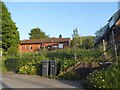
34,45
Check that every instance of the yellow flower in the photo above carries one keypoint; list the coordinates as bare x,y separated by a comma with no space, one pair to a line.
61,73
26,67
94,85
103,86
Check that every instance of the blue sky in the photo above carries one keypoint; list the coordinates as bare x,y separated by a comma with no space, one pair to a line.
56,18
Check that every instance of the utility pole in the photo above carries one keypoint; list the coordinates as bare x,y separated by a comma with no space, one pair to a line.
104,49
75,47
20,50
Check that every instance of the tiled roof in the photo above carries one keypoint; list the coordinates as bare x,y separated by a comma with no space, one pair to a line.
49,40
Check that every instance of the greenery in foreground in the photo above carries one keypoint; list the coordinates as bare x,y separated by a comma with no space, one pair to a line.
105,78
33,61
31,64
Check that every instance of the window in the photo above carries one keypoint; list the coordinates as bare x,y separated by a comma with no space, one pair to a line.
26,48
30,47
60,45
39,47
55,46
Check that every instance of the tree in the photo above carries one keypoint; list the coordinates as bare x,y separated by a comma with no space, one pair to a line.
60,36
76,38
0,25
12,51
75,42
83,42
9,33
88,42
37,33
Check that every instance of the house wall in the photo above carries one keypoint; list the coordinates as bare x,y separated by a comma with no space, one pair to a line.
66,44
37,47
46,44
29,47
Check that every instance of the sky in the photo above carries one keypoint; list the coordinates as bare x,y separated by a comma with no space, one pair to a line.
56,18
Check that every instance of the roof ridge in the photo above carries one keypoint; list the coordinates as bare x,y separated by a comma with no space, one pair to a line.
45,40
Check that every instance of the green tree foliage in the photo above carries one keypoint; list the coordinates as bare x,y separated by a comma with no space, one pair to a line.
0,25
76,38
12,51
10,35
87,42
37,33
60,36
83,42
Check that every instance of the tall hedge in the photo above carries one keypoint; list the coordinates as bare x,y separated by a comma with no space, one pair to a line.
10,35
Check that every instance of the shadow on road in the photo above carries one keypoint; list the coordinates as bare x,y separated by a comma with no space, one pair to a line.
74,84
4,86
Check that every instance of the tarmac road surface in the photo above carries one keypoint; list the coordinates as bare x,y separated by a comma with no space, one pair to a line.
13,80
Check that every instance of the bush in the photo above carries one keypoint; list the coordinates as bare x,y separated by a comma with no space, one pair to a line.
12,51
70,76
82,55
12,64
65,59
66,63
28,69
105,78
2,64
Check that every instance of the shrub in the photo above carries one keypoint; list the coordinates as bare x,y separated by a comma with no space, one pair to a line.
66,63
28,69
12,51
30,63
65,59
105,78
70,76
12,64
2,64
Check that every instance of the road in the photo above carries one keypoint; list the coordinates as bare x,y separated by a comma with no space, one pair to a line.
13,80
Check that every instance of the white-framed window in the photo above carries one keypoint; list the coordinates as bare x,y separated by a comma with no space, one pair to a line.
30,47
60,45
39,46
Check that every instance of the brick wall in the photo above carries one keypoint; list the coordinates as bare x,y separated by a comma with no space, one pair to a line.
29,47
